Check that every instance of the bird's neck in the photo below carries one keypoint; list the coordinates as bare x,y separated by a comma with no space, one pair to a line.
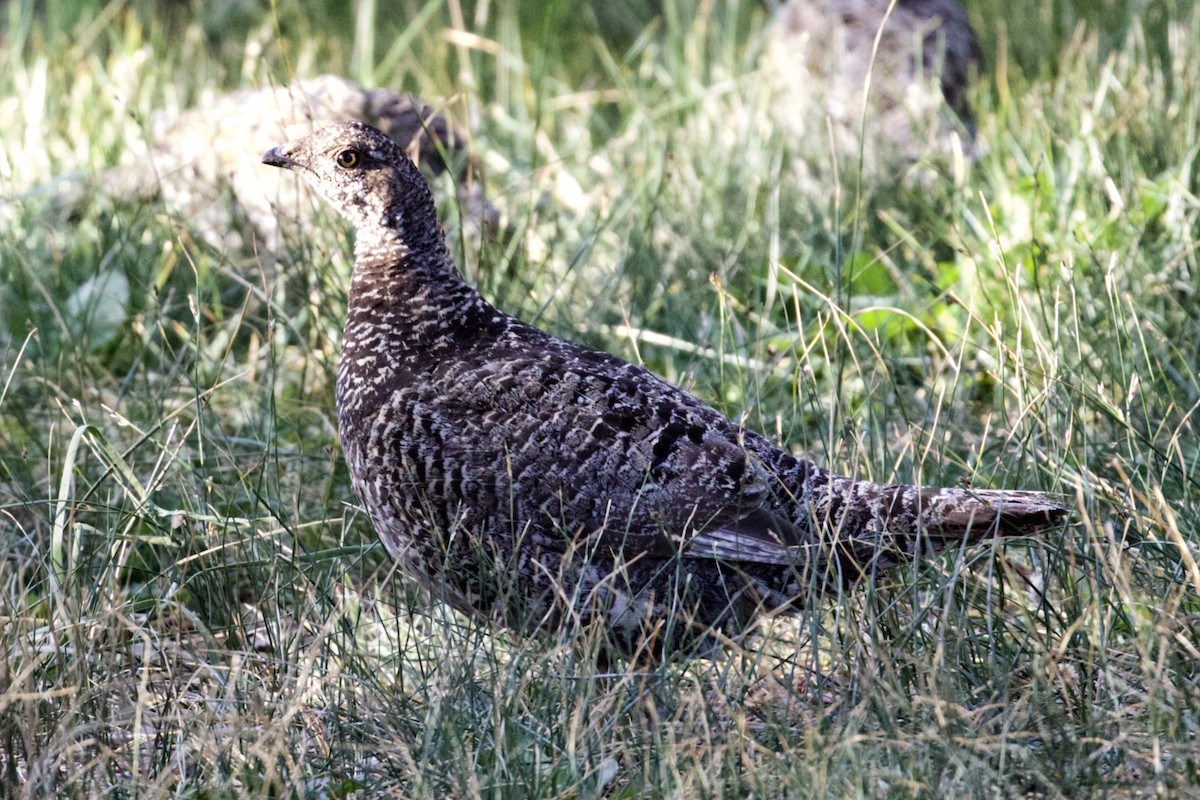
407,306
407,292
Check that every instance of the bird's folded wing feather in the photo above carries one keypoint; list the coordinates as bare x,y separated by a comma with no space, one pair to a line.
673,476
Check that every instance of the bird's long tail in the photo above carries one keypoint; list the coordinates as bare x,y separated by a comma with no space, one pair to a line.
874,526
958,513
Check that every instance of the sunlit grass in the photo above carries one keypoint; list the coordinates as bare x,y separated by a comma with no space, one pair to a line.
193,606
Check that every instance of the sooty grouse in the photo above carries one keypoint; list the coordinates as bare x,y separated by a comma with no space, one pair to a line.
539,481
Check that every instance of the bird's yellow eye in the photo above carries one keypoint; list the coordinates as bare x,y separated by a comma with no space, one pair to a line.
347,159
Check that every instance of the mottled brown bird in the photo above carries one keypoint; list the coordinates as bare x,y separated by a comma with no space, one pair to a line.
538,481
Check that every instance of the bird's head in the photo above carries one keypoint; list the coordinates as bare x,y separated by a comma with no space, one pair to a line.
361,172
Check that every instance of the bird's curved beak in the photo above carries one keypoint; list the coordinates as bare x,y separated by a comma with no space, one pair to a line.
278,157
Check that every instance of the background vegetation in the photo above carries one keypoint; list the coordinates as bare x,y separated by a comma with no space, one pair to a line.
192,606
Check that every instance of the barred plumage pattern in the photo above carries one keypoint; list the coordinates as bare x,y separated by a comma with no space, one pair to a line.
539,481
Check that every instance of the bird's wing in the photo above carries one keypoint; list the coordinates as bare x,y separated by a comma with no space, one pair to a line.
760,537
625,456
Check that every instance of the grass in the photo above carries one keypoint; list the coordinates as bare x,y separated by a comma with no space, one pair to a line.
193,606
